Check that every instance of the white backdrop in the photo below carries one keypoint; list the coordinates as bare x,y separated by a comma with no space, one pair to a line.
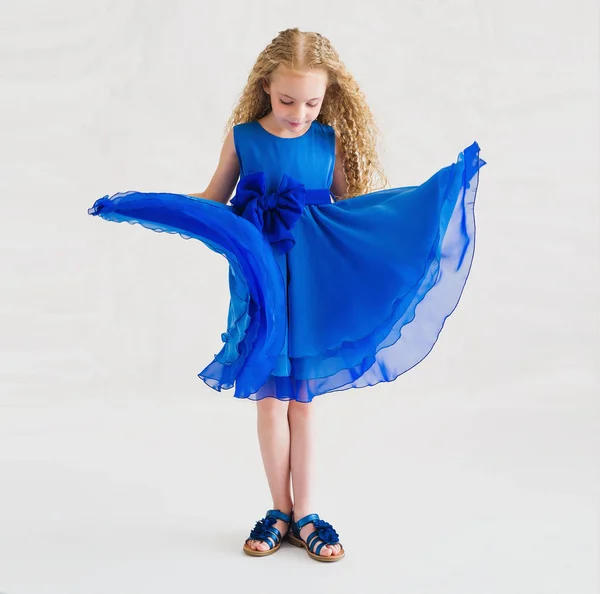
122,472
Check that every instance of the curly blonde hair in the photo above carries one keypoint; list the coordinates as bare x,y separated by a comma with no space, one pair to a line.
344,106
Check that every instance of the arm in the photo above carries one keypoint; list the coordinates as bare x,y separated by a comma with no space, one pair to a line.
226,175
339,186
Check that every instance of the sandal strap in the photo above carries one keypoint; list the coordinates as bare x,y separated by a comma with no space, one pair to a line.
305,520
270,540
272,530
313,537
318,551
279,515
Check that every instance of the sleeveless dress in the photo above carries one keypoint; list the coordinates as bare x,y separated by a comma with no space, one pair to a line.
325,295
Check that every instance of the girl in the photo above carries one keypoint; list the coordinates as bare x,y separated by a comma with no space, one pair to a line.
333,285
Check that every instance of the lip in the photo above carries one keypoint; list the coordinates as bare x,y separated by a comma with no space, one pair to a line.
294,125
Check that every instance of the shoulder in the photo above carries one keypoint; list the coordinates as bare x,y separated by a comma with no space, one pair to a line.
239,136
327,132
229,143
230,154
243,127
240,132
324,128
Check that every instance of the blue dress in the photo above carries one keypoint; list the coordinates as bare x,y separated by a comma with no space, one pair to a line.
324,295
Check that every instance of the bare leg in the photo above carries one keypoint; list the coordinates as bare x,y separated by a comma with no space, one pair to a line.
274,440
302,460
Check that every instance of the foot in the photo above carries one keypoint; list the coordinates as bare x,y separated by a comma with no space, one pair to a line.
305,531
261,545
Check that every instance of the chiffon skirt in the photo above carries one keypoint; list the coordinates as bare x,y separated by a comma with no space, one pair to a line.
360,298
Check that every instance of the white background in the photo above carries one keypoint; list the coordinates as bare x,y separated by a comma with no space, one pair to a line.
122,472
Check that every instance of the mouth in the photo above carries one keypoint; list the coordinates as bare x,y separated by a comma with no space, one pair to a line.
294,125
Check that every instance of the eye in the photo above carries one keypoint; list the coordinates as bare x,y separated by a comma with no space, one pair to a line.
290,102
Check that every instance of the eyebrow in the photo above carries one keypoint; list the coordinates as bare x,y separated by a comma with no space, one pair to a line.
313,99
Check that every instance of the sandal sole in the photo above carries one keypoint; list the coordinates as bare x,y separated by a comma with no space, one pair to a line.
255,553
298,542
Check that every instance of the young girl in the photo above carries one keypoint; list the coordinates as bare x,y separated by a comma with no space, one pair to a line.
333,285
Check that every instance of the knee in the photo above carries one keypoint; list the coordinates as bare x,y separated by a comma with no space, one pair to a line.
300,409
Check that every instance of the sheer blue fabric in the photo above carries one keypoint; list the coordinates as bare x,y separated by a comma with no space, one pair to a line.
324,295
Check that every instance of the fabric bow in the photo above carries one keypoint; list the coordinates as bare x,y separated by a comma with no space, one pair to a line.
326,532
274,214
261,528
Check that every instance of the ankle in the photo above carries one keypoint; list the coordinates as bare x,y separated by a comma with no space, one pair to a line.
285,508
300,512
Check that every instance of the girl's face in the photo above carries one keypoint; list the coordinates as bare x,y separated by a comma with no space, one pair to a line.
296,97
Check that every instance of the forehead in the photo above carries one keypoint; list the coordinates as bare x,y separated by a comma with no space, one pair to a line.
300,85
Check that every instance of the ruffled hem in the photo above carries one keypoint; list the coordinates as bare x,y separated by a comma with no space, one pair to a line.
396,340
255,333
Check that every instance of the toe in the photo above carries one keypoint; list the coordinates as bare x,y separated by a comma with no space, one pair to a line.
262,546
326,551
335,549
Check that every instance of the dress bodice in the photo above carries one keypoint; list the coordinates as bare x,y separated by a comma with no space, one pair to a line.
309,158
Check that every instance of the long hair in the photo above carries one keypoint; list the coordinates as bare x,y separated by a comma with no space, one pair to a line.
344,106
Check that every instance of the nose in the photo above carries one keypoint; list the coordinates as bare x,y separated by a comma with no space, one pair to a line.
298,116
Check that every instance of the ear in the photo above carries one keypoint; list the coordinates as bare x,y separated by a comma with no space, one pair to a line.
265,86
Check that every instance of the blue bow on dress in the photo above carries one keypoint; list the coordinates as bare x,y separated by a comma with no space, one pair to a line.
274,214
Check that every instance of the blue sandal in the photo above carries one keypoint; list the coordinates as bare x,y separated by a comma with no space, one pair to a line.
323,532
265,530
